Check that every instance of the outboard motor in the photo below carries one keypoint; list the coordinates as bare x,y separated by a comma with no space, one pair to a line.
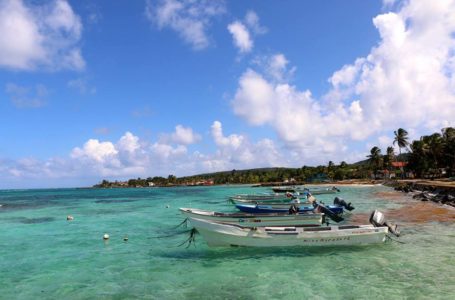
323,209
341,202
377,219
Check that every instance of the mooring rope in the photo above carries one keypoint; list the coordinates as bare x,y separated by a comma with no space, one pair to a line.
394,240
191,239
184,223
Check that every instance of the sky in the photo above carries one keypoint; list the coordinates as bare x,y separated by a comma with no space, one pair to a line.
93,90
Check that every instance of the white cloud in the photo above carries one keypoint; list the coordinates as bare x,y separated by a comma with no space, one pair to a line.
236,151
27,97
252,20
44,36
241,36
242,31
132,157
96,151
189,18
128,143
406,81
233,141
185,135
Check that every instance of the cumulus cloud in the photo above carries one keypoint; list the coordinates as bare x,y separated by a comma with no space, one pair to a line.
252,20
185,135
132,156
241,36
236,151
27,97
96,151
39,36
189,18
407,80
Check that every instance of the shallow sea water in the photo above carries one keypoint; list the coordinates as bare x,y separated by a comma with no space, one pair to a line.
42,255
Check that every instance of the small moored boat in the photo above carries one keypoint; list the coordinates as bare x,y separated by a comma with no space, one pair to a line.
219,235
286,189
254,220
262,197
267,208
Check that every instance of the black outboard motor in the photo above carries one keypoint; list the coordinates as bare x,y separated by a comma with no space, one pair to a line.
323,209
294,209
377,219
341,202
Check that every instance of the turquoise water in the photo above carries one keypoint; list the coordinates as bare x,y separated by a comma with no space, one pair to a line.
44,256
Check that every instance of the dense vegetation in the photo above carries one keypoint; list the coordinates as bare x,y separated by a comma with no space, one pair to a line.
430,156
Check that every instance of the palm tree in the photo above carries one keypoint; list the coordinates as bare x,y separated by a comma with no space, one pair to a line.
388,158
448,136
435,151
418,159
401,138
375,158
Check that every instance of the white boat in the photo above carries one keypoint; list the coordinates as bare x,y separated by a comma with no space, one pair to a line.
254,220
324,191
266,197
303,190
281,204
218,234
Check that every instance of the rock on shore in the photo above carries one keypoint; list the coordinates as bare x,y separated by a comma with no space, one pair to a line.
428,191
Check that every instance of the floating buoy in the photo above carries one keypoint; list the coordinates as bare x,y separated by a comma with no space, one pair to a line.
69,218
105,236
125,238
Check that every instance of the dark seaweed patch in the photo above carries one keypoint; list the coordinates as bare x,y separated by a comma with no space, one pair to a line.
25,220
38,220
115,201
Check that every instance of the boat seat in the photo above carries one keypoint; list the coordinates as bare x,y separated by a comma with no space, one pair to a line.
348,227
318,229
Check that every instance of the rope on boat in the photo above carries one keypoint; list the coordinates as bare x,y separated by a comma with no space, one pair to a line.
171,235
191,239
394,240
183,224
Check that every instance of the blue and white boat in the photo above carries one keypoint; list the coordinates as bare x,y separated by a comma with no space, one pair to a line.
265,208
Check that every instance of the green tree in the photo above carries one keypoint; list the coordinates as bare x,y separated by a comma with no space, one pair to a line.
375,159
448,137
401,138
388,158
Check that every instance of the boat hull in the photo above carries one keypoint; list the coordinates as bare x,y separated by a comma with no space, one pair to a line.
323,192
278,204
222,235
260,198
258,209
251,220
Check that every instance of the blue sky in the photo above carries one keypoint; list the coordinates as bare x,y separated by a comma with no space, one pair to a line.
102,89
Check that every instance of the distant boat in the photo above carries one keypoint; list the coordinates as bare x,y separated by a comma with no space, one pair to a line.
219,235
321,191
301,189
266,197
286,189
254,220
284,201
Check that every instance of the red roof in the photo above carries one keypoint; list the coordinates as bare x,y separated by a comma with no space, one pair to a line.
399,164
